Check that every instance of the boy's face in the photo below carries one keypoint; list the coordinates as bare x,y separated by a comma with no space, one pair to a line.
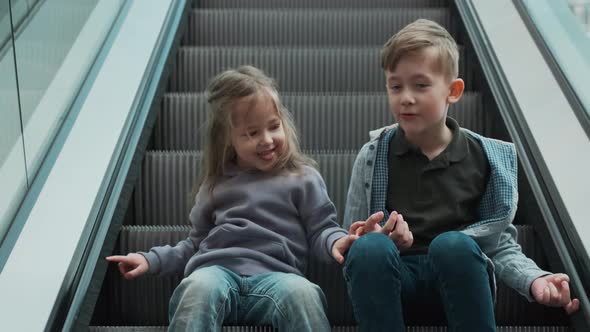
258,136
419,93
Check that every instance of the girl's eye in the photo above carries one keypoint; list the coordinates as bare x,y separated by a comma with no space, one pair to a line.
275,126
252,133
395,88
422,85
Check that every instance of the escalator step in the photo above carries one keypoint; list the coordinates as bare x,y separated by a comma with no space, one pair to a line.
318,4
124,308
238,27
295,69
334,329
182,122
163,194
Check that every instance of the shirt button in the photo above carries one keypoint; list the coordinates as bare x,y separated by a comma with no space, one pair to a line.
371,147
367,185
369,162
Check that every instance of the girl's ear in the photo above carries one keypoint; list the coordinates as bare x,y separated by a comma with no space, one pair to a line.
455,91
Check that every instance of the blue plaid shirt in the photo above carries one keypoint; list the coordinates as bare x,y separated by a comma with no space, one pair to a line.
494,231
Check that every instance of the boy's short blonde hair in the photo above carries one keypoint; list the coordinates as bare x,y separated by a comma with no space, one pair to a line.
416,36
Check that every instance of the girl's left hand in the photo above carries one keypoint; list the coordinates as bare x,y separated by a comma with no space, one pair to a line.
553,290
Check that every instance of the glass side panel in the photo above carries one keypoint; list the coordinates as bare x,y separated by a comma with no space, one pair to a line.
13,178
43,44
564,26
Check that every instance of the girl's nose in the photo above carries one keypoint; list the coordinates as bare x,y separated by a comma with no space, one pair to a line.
266,138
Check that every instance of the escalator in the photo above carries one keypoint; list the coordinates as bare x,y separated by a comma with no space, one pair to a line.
325,58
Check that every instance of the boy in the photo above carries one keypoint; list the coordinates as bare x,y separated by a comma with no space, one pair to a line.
443,196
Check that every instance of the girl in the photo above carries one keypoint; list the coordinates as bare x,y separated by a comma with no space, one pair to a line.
259,210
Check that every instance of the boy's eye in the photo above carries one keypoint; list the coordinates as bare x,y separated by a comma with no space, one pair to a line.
395,87
422,85
253,133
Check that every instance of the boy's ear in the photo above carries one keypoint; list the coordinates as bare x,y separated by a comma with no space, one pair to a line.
455,91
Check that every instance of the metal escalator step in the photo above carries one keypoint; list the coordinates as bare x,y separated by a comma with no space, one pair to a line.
182,122
163,194
312,27
334,329
295,69
124,308
318,4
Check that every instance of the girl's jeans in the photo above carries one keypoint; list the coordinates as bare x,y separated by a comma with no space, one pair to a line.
214,295
451,279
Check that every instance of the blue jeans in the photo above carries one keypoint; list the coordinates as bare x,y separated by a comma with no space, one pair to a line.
214,295
451,280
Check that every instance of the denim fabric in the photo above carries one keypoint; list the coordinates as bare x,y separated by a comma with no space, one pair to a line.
451,279
213,296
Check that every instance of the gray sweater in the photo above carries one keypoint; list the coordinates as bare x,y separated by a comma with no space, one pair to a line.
255,222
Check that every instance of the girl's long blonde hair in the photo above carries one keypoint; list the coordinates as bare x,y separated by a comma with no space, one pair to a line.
222,93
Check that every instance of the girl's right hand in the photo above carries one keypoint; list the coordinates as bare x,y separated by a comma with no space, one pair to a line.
131,266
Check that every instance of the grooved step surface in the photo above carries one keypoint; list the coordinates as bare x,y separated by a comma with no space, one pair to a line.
312,27
295,69
329,121
334,329
318,4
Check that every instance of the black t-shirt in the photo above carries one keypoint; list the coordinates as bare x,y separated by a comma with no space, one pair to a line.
438,195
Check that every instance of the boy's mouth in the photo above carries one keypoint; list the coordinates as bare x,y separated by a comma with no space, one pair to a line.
408,115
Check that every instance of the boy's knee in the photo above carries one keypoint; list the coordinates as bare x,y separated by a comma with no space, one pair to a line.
453,247
372,250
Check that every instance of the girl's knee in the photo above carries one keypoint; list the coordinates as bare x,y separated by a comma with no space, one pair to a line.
206,282
299,289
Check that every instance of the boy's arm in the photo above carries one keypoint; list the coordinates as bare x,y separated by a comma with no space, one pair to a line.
166,259
356,208
512,267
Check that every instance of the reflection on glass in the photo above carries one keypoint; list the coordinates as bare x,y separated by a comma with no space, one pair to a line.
45,70
581,8
13,181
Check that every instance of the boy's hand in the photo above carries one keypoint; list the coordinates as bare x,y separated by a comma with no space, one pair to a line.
553,290
396,228
341,246
371,225
131,266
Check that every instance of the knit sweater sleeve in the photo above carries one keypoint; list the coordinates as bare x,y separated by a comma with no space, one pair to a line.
165,260
318,215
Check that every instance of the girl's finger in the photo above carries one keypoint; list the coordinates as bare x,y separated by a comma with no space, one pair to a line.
122,268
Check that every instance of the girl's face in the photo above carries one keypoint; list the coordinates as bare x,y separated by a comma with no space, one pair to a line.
258,136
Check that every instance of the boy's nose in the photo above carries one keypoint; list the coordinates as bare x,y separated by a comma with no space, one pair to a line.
407,98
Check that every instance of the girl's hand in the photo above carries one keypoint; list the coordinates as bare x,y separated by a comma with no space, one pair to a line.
553,290
131,266
341,246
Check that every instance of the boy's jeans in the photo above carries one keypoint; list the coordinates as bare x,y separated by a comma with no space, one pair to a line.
214,295
451,279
